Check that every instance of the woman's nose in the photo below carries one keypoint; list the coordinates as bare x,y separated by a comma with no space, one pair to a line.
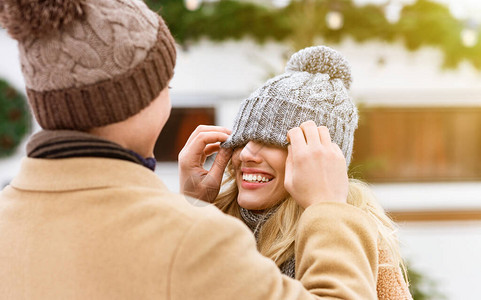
251,152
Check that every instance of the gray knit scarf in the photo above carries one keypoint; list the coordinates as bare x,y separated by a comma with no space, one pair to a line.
254,222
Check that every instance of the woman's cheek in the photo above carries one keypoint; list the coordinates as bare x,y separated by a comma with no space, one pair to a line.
236,159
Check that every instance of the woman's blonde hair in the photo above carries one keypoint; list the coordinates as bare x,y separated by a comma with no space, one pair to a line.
276,237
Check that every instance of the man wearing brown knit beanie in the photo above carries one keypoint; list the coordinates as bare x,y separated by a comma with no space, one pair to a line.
86,218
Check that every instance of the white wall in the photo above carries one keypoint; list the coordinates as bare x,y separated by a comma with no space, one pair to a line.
449,252
234,69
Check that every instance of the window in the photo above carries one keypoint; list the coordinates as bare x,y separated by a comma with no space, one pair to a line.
181,124
418,144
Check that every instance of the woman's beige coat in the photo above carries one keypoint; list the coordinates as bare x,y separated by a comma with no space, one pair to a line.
94,228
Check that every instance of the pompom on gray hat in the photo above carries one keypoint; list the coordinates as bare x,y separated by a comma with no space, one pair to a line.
89,63
313,87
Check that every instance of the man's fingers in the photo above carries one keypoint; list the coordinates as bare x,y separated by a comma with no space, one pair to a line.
325,136
311,133
220,163
207,128
289,148
211,149
296,137
289,157
200,142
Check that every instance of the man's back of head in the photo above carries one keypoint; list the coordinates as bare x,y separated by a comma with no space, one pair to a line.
89,63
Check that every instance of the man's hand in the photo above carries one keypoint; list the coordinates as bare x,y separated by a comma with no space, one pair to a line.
316,169
195,181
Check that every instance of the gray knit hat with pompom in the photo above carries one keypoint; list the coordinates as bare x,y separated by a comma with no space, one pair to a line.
314,87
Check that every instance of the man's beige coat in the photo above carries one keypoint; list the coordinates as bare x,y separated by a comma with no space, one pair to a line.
94,228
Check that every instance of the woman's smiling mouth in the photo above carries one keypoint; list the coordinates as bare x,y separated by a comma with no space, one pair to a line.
252,178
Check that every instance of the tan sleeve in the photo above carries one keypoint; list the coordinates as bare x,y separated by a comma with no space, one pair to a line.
336,252
390,282
217,259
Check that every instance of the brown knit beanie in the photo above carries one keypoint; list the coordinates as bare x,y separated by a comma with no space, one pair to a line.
89,63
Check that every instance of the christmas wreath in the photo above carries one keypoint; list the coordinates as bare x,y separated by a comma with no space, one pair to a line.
15,119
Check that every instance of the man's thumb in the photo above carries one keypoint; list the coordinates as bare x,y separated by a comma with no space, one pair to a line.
221,160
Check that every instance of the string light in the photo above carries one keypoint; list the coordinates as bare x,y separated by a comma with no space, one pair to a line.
470,33
393,11
280,3
469,37
192,4
334,20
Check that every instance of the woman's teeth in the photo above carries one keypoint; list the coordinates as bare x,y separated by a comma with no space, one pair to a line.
254,178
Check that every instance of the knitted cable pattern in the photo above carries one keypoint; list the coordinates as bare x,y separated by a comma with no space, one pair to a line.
110,40
314,87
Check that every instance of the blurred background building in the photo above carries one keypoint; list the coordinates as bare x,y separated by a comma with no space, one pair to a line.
416,67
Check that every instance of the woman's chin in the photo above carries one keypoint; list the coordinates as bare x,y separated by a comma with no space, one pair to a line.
249,204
